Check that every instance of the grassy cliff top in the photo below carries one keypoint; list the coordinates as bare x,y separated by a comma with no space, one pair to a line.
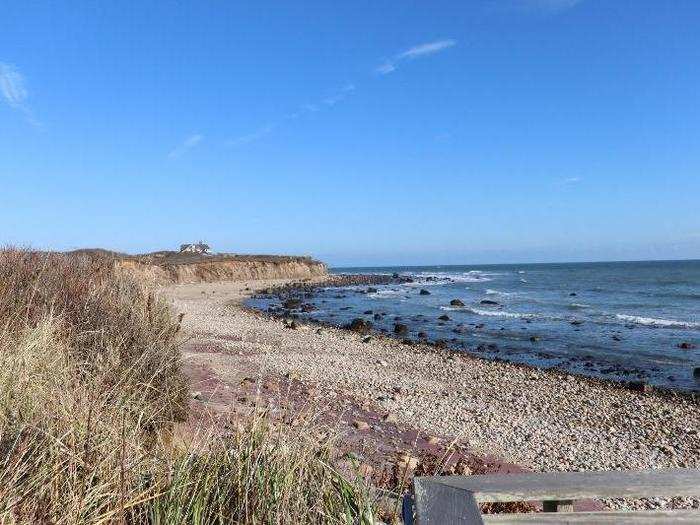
166,257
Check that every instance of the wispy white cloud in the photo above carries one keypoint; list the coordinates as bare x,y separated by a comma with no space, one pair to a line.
414,52
314,107
14,91
427,49
385,68
190,142
255,135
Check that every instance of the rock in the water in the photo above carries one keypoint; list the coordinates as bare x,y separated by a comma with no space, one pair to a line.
534,338
640,386
456,302
359,325
444,317
424,292
400,328
489,302
685,345
291,304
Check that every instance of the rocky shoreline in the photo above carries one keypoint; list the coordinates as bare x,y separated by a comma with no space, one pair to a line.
297,297
539,419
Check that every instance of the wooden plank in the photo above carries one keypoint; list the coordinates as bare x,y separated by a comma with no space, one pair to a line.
577,485
597,518
440,504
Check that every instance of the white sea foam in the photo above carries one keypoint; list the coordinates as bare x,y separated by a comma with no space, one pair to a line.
386,293
651,321
472,276
579,305
488,313
490,291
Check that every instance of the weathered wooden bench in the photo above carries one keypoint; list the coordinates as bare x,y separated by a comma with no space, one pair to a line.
443,500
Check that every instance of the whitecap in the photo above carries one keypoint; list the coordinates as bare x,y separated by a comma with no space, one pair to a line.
651,321
489,313
490,291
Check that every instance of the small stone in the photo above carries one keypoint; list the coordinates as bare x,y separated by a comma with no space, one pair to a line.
197,395
389,418
360,425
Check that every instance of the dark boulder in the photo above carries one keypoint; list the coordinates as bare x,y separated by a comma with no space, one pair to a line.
685,345
456,302
377,317
371,290
444,317
307,307
640,386
291,304
422,335
424,292
359,325
489,302
400,329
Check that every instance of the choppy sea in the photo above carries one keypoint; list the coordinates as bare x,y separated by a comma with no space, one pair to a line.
618,320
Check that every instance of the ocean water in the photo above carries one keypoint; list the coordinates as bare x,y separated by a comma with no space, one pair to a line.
619,320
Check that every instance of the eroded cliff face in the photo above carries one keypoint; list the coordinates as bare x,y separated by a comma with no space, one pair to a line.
226,270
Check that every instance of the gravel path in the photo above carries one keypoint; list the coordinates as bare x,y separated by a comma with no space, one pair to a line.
544,420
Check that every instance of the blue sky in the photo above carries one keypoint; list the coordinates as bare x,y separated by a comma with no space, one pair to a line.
367,132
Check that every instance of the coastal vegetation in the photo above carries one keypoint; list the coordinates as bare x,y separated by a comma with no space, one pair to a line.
93,397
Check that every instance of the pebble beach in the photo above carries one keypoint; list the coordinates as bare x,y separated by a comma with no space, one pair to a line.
544,420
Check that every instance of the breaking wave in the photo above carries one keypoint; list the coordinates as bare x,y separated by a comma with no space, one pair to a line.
651,321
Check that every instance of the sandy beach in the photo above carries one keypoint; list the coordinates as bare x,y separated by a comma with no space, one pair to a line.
537,419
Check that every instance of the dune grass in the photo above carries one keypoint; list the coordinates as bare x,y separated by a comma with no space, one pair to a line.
91,390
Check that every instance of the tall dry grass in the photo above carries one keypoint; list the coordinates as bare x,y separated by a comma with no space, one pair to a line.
91,385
